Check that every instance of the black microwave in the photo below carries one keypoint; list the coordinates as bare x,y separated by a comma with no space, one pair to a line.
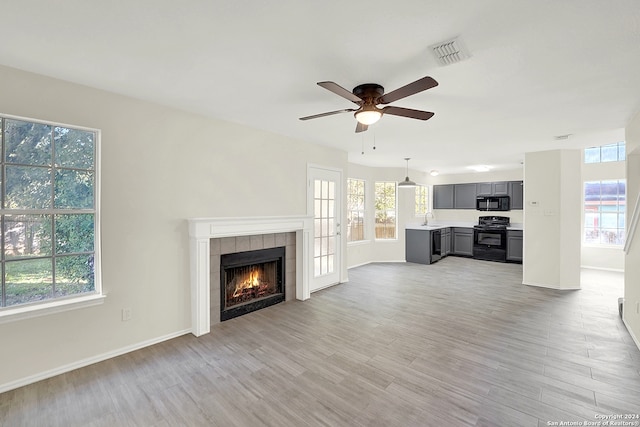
493,203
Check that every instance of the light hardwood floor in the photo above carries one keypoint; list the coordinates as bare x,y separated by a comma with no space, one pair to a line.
461,342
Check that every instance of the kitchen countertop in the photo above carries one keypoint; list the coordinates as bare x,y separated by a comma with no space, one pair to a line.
441,225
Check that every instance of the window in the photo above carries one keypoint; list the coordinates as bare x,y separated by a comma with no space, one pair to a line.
605,153
421,200
604,212
355,210
385,210
47,212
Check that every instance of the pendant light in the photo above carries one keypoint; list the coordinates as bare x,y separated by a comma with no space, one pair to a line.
407,183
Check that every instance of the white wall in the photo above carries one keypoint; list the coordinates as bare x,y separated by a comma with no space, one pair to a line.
553,207
632,258
160,166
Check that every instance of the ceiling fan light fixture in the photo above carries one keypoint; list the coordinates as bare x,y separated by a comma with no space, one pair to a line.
407,183
368,117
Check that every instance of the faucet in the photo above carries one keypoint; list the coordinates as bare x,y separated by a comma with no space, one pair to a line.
426,218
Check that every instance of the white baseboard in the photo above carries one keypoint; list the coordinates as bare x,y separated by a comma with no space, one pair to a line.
377,262
548,286
615,270
358,265
88,361
633,337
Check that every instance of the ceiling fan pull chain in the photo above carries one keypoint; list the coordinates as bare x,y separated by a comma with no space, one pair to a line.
363,144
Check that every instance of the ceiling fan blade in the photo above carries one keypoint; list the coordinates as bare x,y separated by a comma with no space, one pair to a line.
361,127
330,113
339,90
408,90
408,112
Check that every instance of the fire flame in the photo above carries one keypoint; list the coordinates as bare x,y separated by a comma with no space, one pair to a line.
252,281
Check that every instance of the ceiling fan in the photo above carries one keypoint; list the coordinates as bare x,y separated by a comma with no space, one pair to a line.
368,96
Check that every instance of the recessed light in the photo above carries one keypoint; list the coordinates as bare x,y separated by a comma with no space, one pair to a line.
480,168
434,173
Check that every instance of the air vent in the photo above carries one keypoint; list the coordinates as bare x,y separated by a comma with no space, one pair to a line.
450,51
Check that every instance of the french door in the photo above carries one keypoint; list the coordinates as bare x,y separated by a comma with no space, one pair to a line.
324,201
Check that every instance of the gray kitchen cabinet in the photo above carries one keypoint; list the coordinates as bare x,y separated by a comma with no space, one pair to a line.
514,245
446,241
500,188
464,196
462,241
484,189
443,196
418,246
516,194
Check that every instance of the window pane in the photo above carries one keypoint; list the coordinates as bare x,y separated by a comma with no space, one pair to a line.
609,237
28,187
609,220
592,155
74,148
604,208
74,275
27,236
74,189
27,143
46,170
621,151
74,233
609,153
28,281
591,235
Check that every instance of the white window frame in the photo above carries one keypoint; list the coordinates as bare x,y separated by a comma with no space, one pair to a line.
395,210
362,212
584,219
619,146
421,201
61,304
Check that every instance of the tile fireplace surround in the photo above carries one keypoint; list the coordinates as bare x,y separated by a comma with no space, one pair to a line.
202,230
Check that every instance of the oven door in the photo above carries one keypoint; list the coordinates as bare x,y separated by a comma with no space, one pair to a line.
490,244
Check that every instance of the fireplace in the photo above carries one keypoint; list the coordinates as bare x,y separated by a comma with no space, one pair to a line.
209,238
250,281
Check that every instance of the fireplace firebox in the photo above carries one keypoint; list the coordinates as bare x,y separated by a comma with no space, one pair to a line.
250,281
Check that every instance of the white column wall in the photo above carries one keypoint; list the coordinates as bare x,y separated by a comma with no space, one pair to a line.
552,219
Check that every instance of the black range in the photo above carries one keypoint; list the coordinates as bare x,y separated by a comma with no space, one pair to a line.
490,238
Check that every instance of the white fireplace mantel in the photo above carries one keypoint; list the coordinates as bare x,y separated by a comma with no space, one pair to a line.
201,230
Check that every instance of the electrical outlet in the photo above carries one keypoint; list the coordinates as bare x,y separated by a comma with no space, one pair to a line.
126,314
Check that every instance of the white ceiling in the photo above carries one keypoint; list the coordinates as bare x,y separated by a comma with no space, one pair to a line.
538,68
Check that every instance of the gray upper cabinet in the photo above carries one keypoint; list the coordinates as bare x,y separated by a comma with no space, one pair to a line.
443,196
484,188
516,193
500,188
464,196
